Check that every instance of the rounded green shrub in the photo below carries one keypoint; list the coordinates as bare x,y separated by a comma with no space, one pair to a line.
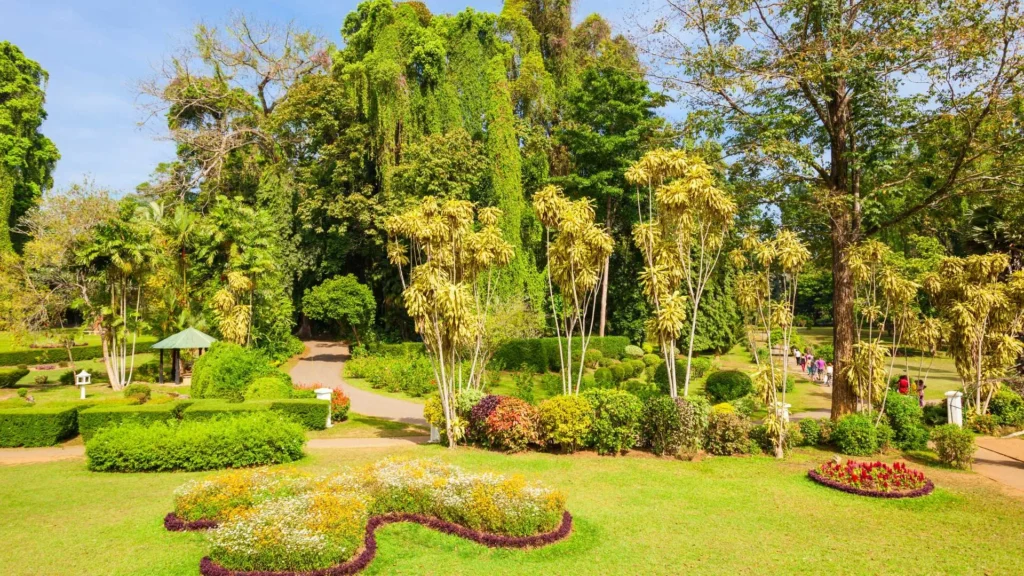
639,388
603,378
226,370
811,431
592,357
564,422
954,445
1007,407
651,359
694,414
907,420
728,385
727,434
855,435
268,388
618,372
635,367
661,425
633,351
698,367
140,392
616,420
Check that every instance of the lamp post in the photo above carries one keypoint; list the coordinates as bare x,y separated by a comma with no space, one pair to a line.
83,379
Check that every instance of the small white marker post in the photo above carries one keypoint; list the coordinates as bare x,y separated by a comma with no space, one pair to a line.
83,379
955,408
325,394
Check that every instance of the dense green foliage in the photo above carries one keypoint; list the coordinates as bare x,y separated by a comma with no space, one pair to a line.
855,435
37,426
954,445
615,427
92,420
344,300
564,422
728,385
727,434
662,429
907,420
227,370
268,388
253,440
311,414
33,356
542,354
1008,407
10,376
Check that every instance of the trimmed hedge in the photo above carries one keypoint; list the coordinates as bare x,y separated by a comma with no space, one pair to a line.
35,356
209,409
311,414
90,421
541,354
257,439
37,426
9,378
227,370
728,385
401,349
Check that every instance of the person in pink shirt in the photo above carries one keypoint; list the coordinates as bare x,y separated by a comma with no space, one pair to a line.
820,368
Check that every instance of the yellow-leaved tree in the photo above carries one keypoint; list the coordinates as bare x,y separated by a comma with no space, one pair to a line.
451,249
576,259
683,221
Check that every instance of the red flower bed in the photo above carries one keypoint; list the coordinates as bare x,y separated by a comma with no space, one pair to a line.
876,479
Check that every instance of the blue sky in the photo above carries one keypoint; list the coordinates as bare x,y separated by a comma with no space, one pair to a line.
96,52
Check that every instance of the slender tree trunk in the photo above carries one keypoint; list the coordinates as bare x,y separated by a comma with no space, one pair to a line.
844,397
604,295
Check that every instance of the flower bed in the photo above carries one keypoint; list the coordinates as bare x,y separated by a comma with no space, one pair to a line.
272,522
875,479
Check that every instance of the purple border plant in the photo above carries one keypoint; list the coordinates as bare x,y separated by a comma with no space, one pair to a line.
175,524
207,567
922,491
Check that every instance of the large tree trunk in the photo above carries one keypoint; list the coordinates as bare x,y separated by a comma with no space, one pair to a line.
844,397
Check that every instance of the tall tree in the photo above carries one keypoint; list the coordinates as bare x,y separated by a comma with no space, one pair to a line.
27,158
878,110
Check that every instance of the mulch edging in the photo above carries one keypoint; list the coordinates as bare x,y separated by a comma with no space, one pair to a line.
207,567
922,491
174,524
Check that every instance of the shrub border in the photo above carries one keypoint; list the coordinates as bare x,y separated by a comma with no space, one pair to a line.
922,491
207,567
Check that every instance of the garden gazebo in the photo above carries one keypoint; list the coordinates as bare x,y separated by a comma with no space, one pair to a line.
187,339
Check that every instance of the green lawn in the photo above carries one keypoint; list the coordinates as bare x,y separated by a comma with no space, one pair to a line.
634,515
11,341
360,426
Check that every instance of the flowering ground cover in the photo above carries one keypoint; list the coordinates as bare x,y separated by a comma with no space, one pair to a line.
876,479
631,515
292,521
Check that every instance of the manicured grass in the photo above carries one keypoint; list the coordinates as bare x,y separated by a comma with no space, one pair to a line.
92,366
54,392
634,515
362,384
10,341
360,426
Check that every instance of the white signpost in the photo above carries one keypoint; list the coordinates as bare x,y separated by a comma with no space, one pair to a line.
325,394
955,408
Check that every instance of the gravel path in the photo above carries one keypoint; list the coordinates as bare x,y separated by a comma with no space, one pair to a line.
323,363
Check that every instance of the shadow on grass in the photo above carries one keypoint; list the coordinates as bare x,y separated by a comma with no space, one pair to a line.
360,426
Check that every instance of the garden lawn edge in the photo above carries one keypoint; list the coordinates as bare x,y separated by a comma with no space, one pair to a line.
922,491
207,567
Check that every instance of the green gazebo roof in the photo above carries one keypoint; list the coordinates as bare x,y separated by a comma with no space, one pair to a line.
187,339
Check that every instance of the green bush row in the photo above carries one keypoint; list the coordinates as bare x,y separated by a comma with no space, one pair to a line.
37,426
34,356
256,439
542,354
10,377
310,413
90,421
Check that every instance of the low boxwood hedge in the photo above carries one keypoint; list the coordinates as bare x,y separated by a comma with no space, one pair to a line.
254,439
37,426
9,377
207,409
92,420
34,356
311,414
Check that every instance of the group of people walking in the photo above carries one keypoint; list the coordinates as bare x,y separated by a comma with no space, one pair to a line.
817,368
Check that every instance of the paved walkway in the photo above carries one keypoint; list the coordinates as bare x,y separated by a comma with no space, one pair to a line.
323,363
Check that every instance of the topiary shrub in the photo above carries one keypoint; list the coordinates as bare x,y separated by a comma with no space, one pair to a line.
633,351
10,376
616,420
140,392
618,372
37,425
564,422
661,425
855,435
512,425
257,439
635,367
907,421
603,378
311,414
954,445
268,388
1007,407
727,434
810,431
640,388
728,385
698,367
592,357
651,359
226,370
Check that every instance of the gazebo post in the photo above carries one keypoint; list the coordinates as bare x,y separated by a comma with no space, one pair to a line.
161,366
176,369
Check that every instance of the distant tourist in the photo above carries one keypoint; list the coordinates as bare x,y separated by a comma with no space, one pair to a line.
828,374
920,392
820,368
904,385
812,367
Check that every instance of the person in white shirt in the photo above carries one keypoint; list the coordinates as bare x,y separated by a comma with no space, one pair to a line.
828,374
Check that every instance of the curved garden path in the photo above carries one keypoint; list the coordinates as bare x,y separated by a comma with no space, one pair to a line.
323,364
